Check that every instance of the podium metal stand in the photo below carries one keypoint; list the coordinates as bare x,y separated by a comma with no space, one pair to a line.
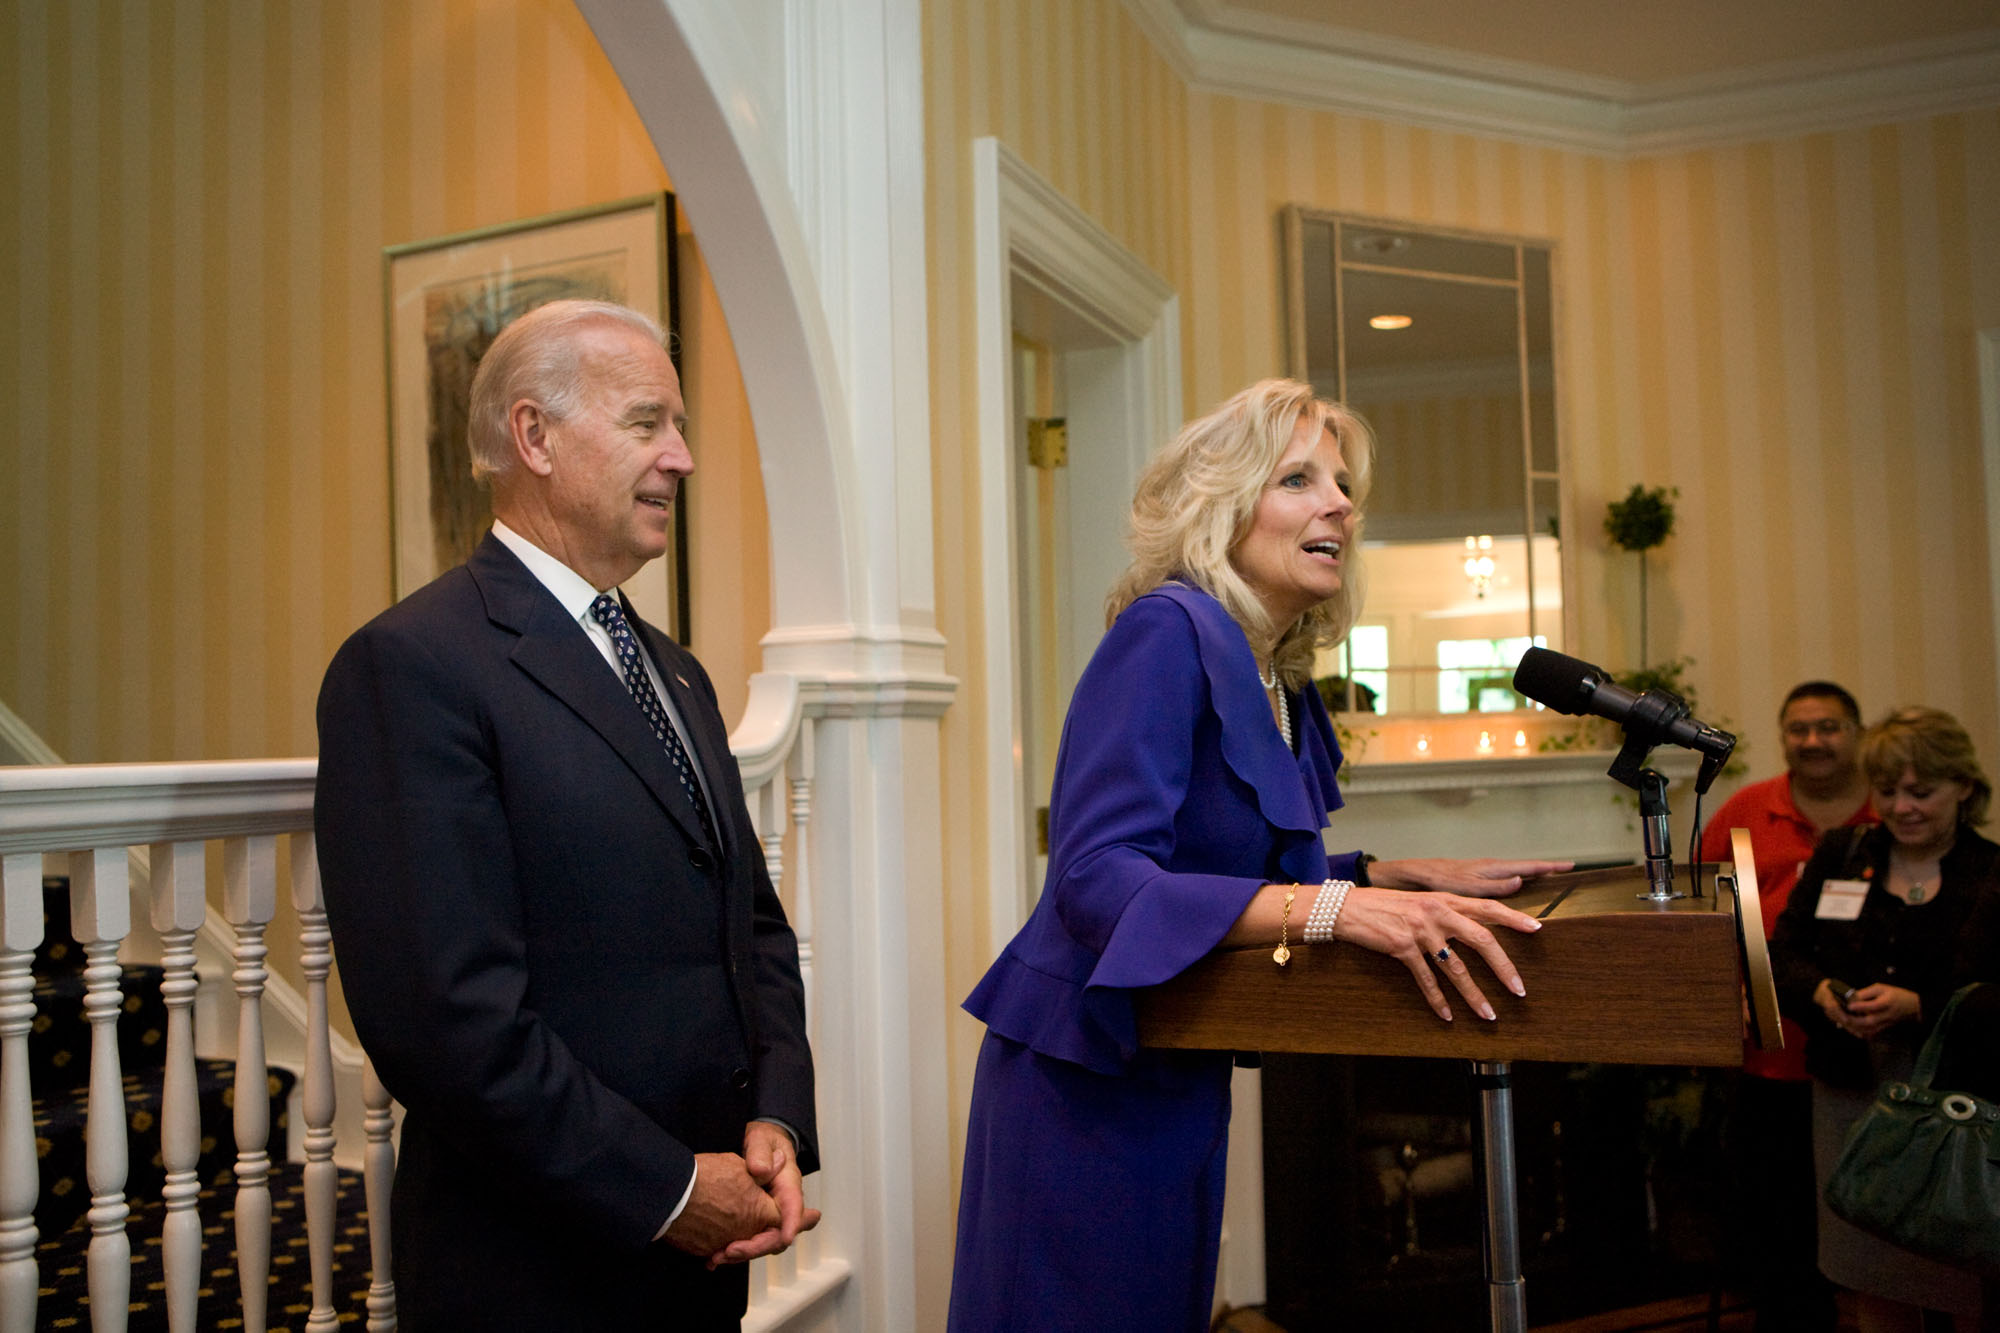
1613,977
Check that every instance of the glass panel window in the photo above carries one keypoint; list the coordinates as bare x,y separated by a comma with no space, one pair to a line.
1477,675
1354,678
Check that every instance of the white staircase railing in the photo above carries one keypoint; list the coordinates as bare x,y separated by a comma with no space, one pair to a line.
98,819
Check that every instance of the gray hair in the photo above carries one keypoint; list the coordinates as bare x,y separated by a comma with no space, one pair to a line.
536,357
1196,500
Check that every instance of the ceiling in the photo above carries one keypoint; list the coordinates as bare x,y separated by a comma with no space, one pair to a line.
1623,77
1636,42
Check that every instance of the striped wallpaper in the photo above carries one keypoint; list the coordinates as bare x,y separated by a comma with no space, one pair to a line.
192,426
1782,330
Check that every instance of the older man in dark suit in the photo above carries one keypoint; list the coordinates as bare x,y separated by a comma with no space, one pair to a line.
553,921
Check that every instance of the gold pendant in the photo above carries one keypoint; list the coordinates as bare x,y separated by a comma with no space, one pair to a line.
1281,955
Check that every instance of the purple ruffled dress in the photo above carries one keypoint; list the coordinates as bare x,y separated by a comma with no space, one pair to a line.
1093,1187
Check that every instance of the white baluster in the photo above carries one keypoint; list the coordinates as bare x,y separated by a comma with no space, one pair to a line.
179,903
801,769
316,960
250,898
100,913
20,933
770,800
806,1252
379,1173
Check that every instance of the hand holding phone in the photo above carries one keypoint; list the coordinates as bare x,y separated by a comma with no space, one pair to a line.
1838,996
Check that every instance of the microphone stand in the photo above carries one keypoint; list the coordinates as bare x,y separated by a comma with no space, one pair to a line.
1653,713
1649,721
1651,785
1492,1080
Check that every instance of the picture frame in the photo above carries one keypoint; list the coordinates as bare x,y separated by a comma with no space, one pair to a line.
444,301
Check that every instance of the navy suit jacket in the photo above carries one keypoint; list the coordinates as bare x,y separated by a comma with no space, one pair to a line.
568,989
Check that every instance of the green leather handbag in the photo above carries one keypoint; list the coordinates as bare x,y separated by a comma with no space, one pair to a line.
1921,1168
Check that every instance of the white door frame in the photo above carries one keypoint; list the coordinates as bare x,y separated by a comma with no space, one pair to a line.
1023,228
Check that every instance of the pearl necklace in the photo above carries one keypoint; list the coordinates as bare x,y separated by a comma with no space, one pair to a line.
1284,705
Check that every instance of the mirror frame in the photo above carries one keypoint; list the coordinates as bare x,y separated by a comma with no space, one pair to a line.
1294,219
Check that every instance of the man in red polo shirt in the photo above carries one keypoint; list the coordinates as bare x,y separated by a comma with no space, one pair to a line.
1770,1129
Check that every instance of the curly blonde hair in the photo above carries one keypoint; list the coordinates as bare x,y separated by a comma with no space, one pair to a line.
1196,500
1931,742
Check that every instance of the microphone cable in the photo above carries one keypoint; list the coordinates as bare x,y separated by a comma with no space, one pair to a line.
1694,848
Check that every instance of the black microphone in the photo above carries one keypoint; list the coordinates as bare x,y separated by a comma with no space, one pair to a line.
1654,717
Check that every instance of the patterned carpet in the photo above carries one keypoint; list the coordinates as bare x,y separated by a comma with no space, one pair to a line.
65,1303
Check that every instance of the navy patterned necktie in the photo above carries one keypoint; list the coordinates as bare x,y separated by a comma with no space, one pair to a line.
606,613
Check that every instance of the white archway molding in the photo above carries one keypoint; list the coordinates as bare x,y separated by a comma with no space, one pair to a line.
799,160
789,133
717,141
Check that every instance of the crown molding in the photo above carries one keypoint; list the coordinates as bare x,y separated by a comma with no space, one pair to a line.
1265,58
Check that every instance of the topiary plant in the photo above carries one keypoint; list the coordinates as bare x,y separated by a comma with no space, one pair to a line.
1638,523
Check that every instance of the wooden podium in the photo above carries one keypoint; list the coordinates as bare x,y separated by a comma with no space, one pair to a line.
1613,977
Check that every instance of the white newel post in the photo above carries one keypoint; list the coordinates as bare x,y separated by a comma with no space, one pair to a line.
180,903
321,1177
20,935
250,900
100,912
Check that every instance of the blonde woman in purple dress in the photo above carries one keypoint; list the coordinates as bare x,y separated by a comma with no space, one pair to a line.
1196,772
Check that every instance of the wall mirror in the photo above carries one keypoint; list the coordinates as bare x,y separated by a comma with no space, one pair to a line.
1445,343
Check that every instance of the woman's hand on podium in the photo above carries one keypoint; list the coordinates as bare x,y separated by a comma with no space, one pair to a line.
1421,930
1480,877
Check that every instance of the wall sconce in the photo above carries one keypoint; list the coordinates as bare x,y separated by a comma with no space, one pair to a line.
1479,564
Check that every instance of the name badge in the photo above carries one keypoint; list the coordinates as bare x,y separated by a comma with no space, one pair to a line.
1841,899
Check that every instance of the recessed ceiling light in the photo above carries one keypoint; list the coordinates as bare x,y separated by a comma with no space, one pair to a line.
1389,322
1379,243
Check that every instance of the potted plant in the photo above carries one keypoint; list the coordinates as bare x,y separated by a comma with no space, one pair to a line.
1639,522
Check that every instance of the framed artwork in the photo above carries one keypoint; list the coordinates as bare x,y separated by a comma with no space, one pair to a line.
445,301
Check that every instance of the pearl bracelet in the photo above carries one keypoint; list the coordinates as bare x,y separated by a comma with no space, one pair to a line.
1326,910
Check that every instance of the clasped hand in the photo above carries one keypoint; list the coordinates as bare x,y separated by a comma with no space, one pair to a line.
745,1207
1869,1010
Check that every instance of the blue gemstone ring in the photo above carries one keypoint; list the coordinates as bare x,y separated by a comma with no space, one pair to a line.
1444,955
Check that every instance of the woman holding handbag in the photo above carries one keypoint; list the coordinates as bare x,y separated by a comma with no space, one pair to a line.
1866,954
